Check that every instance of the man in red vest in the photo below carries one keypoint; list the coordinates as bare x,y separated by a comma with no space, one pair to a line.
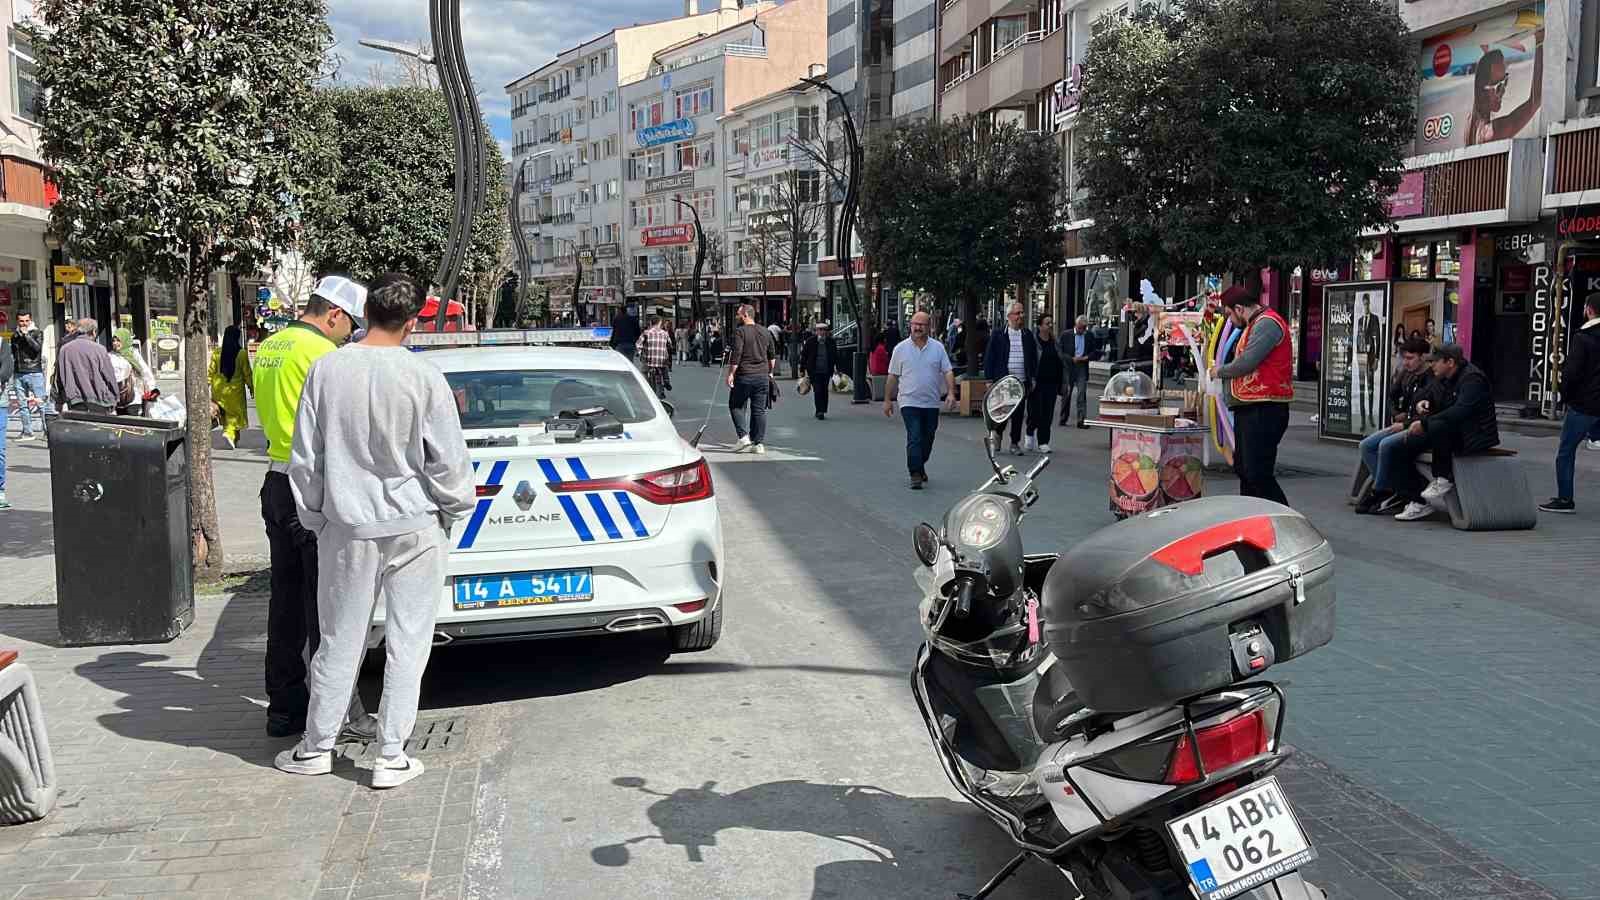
1258,386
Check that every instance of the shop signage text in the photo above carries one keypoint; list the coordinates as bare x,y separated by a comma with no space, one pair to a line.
662,235
752,285
1067,92
70,275
665,133
608,251
1407,198
679,182
767,157
1579,224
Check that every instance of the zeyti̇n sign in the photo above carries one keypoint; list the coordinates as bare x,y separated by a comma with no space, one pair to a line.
665,133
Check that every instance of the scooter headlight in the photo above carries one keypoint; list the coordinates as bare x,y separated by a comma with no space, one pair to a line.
980,522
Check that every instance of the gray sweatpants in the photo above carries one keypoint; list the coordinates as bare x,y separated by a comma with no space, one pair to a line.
407,572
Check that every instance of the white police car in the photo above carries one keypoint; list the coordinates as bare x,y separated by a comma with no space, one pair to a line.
576,533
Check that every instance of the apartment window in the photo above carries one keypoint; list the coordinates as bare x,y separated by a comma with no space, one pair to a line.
808,186
696,155
770,130
1589,52
808,249
739,142
646,113
641,266
583,154
647,163
649,211
605,59
613,189
610,146
613,233
704,202
25,93
809,121
693,101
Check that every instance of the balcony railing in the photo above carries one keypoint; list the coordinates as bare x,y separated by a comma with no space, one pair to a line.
1030,37
565,218
518,112
519,149
561,177
746,50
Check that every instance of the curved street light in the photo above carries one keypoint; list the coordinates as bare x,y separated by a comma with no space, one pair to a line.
699,256
466,119
847,226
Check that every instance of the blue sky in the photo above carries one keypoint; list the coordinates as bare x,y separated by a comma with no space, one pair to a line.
504,39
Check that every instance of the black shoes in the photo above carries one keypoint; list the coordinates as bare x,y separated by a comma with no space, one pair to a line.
1083,424
918,480
821,416
1558,505
284,726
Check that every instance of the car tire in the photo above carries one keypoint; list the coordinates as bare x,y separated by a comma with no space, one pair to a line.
697,636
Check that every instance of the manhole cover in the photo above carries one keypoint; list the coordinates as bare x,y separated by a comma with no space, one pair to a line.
438,736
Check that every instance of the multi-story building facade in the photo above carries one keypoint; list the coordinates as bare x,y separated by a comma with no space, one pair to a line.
25,194
677,149
772,182
570,146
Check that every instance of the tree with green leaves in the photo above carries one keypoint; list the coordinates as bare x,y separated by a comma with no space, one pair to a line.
962,208
1230,135
394,190
183,142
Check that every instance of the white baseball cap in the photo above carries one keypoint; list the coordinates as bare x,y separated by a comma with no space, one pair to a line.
350,296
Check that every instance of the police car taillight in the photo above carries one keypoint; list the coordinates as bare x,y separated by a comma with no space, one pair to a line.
679,484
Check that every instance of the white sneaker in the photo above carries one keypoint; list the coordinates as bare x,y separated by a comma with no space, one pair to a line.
388,773
742,443
1592,445
1044,448
296,761
1031,443
1437,490
761,449
1414,511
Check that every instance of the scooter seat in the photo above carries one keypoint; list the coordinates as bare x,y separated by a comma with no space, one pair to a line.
1054,701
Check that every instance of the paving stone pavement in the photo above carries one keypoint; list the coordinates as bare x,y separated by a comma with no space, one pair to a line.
168,786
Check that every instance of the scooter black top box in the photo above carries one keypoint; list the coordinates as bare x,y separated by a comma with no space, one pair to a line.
1188,599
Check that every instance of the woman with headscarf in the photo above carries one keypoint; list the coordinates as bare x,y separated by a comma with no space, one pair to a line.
230,376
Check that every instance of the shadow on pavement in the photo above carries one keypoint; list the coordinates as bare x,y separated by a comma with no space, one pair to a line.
26,534
881,825
483,674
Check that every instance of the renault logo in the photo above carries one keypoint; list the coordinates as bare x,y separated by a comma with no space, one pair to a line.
524,496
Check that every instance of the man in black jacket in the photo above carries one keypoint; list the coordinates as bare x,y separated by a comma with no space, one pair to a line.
1460,420
1078,348
625,333
1580,390
1013,351
1412,385
818,358
27,353
1042,402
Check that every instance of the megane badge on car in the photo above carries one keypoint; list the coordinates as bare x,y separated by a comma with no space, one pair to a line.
524,496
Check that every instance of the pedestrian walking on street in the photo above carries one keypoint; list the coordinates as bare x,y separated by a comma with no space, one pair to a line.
1042,402
751,361
818,358
1080,348
923,381
655,355
279,376
85,379
381,474
8,371
27,355
1013,351
1258,386
230,374
1580,390
625,333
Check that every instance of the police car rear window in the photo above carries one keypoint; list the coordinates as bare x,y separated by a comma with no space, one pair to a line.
509,398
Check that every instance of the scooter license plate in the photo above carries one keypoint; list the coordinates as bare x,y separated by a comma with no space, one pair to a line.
1241,841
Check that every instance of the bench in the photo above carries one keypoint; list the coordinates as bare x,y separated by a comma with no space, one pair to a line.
1491,491
27,775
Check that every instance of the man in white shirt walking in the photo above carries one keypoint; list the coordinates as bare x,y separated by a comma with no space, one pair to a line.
924,382
380,473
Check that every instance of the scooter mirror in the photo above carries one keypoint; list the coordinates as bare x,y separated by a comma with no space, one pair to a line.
1003,400
925,538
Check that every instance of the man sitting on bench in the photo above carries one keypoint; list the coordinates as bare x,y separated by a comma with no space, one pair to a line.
1461,421
1411,386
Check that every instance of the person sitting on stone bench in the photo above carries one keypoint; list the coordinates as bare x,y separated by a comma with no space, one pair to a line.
1460,421
1411,386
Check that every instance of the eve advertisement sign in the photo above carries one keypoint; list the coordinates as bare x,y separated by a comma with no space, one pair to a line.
1480,82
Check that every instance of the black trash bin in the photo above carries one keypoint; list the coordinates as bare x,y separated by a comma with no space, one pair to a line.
119,487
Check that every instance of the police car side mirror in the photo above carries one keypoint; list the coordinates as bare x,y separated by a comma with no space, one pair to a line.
671,410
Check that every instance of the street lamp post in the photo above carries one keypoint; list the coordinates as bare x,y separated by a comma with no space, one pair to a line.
699,256
470,179
847,225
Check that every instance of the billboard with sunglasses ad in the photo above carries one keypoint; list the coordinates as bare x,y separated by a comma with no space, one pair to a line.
1480,82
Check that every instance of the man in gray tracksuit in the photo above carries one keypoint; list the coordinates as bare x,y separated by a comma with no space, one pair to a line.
380,473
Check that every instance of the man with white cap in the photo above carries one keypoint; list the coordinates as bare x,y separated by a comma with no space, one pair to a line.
334,309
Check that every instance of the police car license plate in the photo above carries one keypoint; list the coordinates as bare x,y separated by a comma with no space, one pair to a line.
523,589
1242,841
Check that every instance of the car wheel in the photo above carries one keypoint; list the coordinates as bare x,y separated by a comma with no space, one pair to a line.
697,636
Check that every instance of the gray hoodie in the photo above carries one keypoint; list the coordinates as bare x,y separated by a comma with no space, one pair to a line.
378,449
